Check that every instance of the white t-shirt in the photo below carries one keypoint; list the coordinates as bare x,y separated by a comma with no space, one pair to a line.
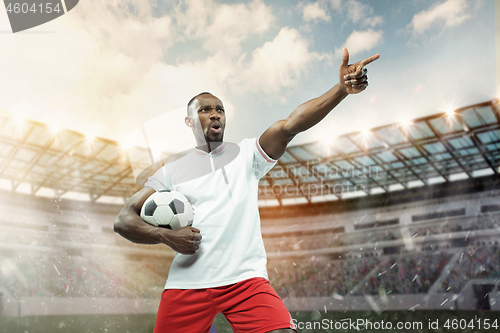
223,189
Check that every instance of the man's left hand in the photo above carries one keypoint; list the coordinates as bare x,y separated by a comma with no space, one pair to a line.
353,78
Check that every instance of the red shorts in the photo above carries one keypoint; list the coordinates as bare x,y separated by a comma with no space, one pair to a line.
250,306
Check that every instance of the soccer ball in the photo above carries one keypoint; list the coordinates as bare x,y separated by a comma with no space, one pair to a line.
168,209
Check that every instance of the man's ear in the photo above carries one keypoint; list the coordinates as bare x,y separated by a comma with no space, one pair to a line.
189,121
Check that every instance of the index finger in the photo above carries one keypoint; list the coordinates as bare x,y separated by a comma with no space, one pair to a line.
368,60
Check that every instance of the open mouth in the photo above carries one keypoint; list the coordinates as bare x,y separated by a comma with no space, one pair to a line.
216,127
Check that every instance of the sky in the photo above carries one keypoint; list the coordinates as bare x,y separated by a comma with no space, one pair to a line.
107,67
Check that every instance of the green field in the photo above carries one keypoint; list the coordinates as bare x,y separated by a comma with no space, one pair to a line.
316,321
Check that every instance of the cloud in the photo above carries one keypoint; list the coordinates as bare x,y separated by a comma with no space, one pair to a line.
314,12
82,64
335,4
105,62
223,26
360,41
362,14
444,15
278,63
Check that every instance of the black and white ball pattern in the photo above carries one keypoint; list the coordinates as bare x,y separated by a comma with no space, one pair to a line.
168,209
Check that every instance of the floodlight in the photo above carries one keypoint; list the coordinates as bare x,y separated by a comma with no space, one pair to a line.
406,123
449,112
53,129
89,138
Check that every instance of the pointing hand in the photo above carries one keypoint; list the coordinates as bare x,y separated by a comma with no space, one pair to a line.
353,78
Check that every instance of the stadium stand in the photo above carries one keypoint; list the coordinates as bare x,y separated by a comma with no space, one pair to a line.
408,274
474,263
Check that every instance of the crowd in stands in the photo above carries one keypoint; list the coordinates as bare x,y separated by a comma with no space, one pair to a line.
86,275
474,263
318,278
411,273
17,284
75,273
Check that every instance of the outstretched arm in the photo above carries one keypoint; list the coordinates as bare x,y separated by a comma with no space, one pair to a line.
353,80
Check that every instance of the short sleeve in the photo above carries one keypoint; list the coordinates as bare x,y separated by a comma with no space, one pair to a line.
159,181
262,163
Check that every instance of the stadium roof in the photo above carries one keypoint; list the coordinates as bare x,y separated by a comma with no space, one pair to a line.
440,148
436,149
62,161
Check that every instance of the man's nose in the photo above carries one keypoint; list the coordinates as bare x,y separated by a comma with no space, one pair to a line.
214,114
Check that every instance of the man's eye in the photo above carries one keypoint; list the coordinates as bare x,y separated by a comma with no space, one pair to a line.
220,110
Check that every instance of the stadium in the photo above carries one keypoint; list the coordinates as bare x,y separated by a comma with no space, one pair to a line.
399,220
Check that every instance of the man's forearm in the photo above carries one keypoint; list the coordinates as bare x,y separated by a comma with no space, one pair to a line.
312,112
131,227
128,224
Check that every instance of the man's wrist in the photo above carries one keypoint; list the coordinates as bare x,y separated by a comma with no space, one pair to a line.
163,235
342,89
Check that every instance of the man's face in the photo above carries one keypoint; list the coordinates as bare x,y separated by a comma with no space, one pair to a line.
209,117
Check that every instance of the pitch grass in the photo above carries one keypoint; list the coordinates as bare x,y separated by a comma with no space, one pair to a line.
144,323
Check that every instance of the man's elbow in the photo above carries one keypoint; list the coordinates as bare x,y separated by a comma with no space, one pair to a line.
289,129
119,224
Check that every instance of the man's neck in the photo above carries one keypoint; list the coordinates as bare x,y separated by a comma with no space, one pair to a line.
209,146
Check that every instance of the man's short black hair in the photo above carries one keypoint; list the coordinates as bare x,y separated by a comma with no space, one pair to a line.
192,99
